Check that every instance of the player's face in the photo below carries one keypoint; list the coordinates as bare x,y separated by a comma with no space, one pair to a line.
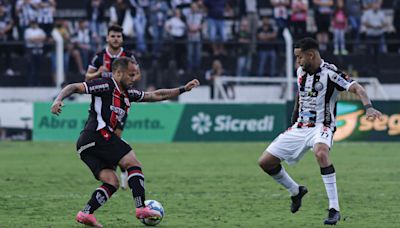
130,76
302,59
114,39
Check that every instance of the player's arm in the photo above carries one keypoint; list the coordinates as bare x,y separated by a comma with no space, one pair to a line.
66,92
371,112
295,114
93,73
165,94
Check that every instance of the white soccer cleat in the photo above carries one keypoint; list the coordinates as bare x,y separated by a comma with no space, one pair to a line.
124,180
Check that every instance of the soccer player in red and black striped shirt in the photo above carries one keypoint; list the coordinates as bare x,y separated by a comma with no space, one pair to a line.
100,67
98,145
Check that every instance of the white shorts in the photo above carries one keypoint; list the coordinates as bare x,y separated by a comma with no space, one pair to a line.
291,145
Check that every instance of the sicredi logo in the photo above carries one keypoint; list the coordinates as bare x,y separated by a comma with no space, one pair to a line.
202,124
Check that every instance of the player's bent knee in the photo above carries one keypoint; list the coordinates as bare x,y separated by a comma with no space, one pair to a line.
268,162
322,155
129,160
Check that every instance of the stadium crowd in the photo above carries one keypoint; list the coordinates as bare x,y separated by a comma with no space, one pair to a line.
177,39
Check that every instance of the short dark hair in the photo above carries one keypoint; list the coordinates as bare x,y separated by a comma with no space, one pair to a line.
122,63
307,44
114,28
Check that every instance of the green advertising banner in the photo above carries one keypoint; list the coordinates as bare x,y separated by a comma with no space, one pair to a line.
352,124
231,122
146,122
166,122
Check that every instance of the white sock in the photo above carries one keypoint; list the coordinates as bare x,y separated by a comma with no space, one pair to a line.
286,181
331,190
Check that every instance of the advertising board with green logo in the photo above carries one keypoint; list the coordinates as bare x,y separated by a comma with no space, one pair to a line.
166,122
352,124
231,122
145,123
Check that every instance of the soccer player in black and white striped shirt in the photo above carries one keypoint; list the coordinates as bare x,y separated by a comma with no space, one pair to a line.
313,124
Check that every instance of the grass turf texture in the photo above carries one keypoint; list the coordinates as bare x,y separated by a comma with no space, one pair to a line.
200,185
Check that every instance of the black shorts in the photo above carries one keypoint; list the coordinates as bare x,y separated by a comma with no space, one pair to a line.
99,153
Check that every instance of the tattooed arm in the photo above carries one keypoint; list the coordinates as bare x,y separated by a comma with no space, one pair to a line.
66,92
165,94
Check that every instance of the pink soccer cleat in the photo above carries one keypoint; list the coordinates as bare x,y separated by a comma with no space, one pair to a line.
146,212
87,219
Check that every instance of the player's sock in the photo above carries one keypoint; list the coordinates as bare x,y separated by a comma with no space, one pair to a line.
136,183
99,198
329,178
282,177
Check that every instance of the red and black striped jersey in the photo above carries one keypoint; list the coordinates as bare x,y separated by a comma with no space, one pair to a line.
105,59
109,104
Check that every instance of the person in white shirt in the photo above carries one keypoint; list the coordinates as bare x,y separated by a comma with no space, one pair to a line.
176,28
34,42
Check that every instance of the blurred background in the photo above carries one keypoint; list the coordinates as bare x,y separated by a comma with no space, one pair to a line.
241,51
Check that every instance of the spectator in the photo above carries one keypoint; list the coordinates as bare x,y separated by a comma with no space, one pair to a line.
354,11
243,49
280,14
158,16
81,42
26,12
215,23
139,11
298,18
117,12
267,36
195,24
339,24
95,11
183,5
249,8
34,41
176,28
370,4
323,12
46,10
6,25
216,71
375,23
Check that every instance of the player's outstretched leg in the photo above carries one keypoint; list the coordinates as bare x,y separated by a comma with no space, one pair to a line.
271,165
136,183
98,199
124,178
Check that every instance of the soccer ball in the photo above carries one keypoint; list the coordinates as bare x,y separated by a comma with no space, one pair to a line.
153,205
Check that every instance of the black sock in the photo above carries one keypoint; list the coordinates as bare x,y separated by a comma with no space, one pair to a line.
327,170
99,198
136,183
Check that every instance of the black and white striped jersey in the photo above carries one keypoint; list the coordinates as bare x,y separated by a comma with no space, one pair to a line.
318,94
45,12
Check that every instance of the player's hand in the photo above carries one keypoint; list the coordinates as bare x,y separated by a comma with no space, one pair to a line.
192,84
103,72
56,107
373,114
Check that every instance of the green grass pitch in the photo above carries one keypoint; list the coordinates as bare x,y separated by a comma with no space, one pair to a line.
200,185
